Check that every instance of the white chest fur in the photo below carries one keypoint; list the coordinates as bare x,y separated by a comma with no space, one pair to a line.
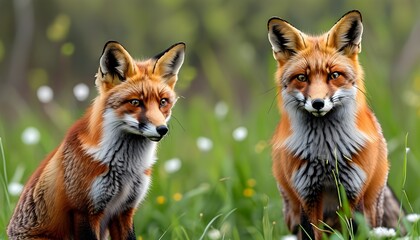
125,184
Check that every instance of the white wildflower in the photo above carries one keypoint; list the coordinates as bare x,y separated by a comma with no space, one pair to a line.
380,232
413,217
81,92
214,234
204,144
45,94
288,237
240,133
30,136
15,188
172,165
221,109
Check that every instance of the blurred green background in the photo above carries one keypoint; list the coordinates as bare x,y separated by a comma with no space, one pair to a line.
213,178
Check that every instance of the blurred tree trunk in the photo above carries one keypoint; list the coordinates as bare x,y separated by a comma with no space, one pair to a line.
404,65
410,53
15,86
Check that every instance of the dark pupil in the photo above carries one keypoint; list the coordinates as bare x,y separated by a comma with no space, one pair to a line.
301,78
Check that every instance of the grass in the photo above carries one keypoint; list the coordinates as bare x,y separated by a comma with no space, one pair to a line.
4,195
226,192
223,189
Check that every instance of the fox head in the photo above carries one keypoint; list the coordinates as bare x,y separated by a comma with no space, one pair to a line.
318,74
137,96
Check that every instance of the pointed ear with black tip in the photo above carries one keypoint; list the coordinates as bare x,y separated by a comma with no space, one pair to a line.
169,62
346,34
285,39
115,65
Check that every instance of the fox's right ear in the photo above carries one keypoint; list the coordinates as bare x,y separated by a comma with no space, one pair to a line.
169,62
346,34
285,39
115,65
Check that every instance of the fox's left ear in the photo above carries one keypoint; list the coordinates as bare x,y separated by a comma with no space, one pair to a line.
115,65
169,62
285,39
346,34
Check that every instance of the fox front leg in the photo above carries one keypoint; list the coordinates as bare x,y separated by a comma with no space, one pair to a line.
122,227
86,226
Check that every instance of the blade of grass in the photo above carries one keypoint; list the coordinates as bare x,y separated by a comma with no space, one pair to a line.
267,227
331,230
209,225
228,214
307,234
5,179
405,175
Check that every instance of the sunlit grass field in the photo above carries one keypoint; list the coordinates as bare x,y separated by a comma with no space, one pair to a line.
213,176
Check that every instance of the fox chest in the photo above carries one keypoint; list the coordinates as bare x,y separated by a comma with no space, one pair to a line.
127,180
326,147
117,191
319,177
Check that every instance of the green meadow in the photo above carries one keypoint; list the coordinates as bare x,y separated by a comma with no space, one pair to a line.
212,178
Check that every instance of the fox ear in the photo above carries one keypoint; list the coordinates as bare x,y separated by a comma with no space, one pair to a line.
346,34
169,62
285,39
115,64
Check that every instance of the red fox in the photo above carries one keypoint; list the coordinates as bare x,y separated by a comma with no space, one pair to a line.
90,186
327,134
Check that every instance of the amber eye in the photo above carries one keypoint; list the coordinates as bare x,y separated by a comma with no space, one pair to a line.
334,75
164,102
302,78
135,102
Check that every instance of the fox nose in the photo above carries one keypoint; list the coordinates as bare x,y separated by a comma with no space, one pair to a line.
162,130
318,104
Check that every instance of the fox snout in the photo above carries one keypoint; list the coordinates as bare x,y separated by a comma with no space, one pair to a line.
318,106
162,130
154,133
139,125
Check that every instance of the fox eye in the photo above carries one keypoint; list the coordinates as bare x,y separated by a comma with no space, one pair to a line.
135,102
334,75
164,102
302,78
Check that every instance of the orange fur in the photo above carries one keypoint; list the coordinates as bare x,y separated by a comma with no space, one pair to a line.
91,185
312,70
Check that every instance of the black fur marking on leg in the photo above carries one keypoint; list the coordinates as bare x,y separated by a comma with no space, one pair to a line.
306,229
131,234
85,231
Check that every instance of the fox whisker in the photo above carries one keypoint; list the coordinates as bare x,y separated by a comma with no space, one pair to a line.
273,101
179,123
